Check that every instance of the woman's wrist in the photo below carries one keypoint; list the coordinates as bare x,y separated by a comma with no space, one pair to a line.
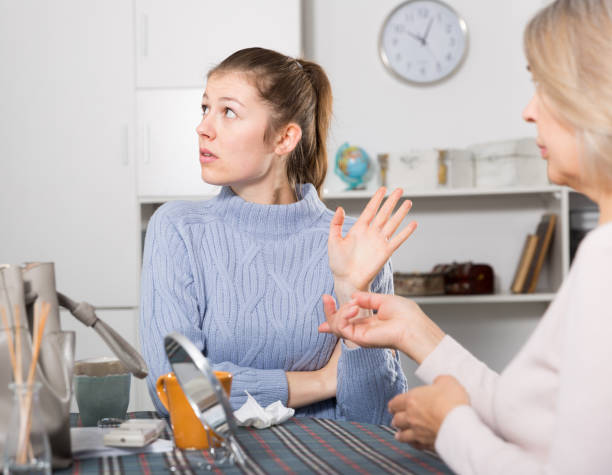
420,345
345,288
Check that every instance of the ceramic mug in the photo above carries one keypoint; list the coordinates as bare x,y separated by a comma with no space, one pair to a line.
188,430
101,389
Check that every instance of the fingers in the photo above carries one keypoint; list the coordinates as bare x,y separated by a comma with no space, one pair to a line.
385,211
336,318
329,306
398,403
368,300
404,234
335,226
369,211
391,226
406,436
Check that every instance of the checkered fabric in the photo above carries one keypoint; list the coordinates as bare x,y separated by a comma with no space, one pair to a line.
300,445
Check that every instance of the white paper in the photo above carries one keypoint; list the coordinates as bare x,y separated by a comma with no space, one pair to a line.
87,442
251,414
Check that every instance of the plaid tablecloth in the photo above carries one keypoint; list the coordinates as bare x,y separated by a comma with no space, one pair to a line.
300,445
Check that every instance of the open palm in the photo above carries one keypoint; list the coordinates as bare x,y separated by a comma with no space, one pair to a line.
357,257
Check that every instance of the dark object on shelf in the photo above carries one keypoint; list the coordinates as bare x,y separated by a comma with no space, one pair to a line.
417,283
545,232
466,278
581,222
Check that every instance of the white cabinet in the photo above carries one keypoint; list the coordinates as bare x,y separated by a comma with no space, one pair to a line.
178,42
67,190
168,156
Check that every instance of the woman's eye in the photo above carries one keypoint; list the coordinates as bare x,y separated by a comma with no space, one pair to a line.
205,109
230,114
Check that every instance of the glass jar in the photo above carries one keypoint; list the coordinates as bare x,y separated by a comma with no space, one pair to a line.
27,447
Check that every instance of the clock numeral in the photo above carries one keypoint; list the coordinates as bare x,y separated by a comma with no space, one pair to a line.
449,28
399,28
410,17
452,42
449,57
439,17
408,65
423,71
394,41
398,56
438,67
423,12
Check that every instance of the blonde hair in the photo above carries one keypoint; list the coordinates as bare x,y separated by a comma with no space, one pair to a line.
568,45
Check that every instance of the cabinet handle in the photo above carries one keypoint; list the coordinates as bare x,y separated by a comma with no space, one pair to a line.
145,36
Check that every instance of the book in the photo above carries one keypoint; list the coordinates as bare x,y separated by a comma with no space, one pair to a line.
545,232
520,276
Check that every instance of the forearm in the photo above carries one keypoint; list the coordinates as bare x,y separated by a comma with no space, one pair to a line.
308,387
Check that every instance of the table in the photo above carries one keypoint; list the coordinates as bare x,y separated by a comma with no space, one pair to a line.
300,445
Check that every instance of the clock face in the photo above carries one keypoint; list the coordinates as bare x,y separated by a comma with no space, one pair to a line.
423,41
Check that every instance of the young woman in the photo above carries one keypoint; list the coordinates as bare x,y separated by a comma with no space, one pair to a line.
549,411
242,274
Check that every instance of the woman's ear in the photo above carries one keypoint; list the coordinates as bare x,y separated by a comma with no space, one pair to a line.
288,139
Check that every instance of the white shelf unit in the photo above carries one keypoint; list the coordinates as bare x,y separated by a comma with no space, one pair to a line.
479,225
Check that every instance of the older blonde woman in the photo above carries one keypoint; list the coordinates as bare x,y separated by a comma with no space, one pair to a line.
550,410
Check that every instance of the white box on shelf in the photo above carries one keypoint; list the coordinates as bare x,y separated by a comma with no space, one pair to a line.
460,163
495,164
415,170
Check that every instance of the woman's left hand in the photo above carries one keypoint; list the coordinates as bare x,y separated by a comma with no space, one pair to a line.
356,258
419,413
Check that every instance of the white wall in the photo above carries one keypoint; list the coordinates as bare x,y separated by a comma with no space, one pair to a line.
481,102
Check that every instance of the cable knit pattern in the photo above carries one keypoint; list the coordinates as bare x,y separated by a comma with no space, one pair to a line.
244,282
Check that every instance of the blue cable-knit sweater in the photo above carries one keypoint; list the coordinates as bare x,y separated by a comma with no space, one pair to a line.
244,282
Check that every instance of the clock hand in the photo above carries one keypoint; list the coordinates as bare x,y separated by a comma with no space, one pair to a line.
416,37
424,39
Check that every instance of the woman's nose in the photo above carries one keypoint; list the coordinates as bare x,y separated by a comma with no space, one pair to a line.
529,112
205,127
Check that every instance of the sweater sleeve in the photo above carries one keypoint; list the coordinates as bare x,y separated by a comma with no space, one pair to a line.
169,303
369,377
583,422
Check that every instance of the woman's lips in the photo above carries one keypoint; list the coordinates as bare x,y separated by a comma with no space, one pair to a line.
206,156
543,151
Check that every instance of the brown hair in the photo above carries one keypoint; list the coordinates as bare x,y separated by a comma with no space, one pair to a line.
296,91
568,45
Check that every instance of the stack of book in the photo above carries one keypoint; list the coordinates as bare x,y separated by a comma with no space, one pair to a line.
533,256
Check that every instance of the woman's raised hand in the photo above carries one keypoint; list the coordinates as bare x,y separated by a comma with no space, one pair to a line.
356,258
398,323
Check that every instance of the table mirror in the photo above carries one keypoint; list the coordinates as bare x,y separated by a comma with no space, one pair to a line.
206,397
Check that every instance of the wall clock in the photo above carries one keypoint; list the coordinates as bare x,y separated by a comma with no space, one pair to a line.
423,41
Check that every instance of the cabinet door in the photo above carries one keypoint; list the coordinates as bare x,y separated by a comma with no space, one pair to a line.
68,187
178,42
168,156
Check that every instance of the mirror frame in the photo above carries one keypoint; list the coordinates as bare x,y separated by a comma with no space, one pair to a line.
226,430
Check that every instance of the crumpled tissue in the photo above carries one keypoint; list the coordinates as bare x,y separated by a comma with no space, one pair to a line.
252,414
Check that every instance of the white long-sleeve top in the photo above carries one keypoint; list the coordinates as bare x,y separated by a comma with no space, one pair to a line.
550,410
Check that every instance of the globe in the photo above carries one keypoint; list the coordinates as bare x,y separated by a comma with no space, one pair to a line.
353,165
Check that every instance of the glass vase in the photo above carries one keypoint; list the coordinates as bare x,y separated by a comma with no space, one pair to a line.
26,448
